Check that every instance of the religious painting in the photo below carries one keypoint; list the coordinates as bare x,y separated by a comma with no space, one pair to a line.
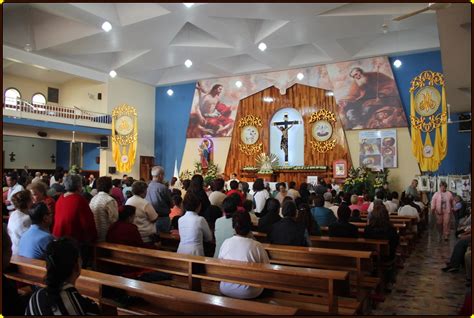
211,113
340,169
366,94
378,149
424,183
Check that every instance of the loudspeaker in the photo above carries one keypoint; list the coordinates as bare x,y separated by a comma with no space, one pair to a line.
53,95
112,170
99,96
466,125
42,134
104,142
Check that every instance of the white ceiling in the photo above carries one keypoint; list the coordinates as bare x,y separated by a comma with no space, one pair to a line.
150,42
35,72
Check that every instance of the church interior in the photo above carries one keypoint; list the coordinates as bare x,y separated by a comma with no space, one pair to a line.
236,159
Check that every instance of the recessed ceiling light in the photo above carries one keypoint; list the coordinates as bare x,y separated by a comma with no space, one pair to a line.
330,93
28,47
262,46
238,84
268,99
170,92
112,73
188,63
188,5
300,76
384,28
397,63
106,26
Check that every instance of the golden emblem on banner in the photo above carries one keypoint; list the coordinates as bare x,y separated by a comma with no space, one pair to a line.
249,135
124,137
425,100
322,130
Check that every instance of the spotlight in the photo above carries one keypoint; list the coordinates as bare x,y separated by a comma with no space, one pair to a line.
106,26
397,63
300,76
238,84
384,28
170,92
262,46
112,73
188,63
188,5
268,99
330,93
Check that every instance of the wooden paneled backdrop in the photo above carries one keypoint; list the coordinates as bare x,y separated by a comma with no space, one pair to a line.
306,100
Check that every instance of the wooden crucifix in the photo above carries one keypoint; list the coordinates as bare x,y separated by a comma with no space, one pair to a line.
284,126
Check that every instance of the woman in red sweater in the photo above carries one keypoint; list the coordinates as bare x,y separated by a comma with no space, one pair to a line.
124,231
74,218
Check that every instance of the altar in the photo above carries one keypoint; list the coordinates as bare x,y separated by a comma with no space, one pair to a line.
286,175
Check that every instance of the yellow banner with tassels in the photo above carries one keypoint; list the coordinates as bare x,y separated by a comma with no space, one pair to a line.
425,99
124,137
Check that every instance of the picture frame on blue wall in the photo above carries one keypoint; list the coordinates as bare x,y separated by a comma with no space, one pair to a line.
423,183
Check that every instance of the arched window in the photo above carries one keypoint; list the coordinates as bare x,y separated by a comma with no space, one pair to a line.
38,99
11,96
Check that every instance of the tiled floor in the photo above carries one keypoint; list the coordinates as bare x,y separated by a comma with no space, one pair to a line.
421,287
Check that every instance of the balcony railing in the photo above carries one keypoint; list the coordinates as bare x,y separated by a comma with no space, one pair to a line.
24,109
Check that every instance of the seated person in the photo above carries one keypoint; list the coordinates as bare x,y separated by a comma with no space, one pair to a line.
287,231
223,229
457,256
241,248
177,209
380,227
342,228
271,215
407,209
355,216
124,231
19,221
174,230
12,303
305,217
322,215
60,297
34,241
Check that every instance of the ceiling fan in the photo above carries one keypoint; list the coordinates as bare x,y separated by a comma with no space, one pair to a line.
431,6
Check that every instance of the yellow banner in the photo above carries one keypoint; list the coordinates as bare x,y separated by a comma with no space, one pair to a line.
124,137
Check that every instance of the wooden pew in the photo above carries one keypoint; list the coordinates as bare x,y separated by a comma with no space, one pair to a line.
158,299
197,269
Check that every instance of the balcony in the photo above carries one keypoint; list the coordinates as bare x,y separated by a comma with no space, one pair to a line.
57,114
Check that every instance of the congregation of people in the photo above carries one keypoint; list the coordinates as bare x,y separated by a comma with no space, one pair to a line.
59,219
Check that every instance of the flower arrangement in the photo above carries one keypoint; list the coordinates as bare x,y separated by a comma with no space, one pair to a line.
211,173
363,179
75,169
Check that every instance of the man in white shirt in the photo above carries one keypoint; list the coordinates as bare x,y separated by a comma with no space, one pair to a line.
334,185
292,192
37,177
391,206
408,210
13,187
217,195
328,203
233,177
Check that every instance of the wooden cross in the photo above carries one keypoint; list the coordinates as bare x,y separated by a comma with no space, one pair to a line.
284,126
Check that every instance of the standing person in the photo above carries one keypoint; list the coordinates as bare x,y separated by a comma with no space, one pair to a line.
73,217
287,231
19,221
282,193
442,205
159,196
196,186
13,187
217,195
223,229
304,192
33,242
124,231
127,189
117,193
292,192
242,248
37,177
177,209
60,297
234,188
411,189
39,194
146,215
244,187
193,229
104,207
260,196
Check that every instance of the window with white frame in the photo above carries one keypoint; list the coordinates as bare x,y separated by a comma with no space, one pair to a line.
11,96
38,99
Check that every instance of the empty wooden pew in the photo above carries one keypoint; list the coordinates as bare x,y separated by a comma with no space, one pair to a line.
157,299
330,286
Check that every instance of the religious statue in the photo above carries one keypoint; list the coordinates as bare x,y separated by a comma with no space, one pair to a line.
284,126
205,151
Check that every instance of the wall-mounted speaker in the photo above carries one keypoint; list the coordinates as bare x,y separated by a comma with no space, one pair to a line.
99,96
112,170
104,142
42,133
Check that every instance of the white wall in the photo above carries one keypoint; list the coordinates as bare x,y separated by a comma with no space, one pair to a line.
141,96
82,93
32,152
27,87
399,178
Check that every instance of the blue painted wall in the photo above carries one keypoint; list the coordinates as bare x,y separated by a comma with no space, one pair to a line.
90,152
457,160
171,123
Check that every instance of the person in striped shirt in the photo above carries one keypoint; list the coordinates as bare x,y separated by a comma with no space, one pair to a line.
60,297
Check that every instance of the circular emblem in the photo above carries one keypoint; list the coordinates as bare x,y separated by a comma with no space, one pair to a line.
428,151
322,130
124,125
124,159
427,101
249,135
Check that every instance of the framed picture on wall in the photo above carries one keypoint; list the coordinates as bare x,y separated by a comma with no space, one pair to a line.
339,169
423,183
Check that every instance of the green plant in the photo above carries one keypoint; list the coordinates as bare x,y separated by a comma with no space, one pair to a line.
75,169
363,179
209,175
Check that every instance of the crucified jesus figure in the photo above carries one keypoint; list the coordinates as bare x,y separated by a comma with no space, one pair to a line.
284,126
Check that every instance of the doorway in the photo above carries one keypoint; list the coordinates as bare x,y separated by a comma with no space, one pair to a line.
146,163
